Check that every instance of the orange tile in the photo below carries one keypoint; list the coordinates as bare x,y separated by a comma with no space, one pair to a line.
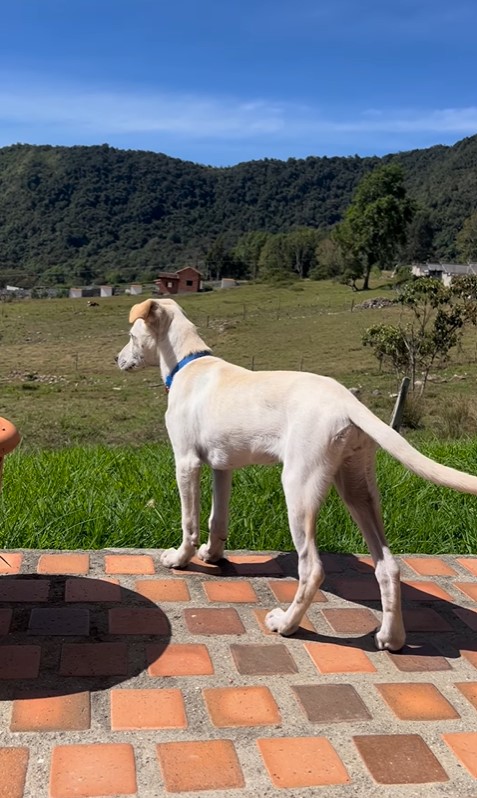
198,566
179,659
470,563
63,564
419,701
302,762
429,566
464,746
99,769
205,765
128,564
13,767
147,709
10,562
334,658
58,713
468,588
230,592
469,689
260,615
163,589
241,706
284,592
424,591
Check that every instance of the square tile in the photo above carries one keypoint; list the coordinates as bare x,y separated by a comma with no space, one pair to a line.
351,621
241,706
399,759
300,762
92,590
429,566
147,709
256,660
228,591
464,746
98,769
418,701
179,659
138,621
62,622
211,621
13,767
65,563
334,658
331,703
419,658
163,589
186,766
55,713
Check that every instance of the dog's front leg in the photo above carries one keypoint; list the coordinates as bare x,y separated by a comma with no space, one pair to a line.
213,550
188,481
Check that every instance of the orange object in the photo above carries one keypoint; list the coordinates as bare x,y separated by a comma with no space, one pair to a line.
9,438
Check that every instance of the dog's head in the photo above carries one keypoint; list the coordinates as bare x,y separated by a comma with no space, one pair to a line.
150,321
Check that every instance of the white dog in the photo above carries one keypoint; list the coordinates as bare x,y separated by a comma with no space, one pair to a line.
229,417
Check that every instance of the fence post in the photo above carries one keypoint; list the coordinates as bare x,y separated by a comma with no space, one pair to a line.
396,419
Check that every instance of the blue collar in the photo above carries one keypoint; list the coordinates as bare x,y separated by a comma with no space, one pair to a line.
182,363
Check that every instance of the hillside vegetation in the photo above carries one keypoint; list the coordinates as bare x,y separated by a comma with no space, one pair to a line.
82,214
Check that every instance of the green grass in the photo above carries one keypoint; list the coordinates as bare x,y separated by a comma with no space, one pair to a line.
98,497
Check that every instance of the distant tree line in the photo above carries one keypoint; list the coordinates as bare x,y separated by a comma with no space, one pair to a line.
97,214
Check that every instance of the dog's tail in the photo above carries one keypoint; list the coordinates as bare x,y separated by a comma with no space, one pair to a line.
398,447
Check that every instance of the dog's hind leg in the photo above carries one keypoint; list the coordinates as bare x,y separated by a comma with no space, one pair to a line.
188,482
356,483
213,550
304,494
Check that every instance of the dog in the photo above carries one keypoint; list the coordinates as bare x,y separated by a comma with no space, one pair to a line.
228,417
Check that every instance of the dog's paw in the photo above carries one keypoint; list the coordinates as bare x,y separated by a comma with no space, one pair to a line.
276,621
174,558
207,555
389,641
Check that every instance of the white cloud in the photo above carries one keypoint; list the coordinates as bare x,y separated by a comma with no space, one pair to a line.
53,111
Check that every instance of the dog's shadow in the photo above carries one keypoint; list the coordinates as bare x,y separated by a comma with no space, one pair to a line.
436,627
62,634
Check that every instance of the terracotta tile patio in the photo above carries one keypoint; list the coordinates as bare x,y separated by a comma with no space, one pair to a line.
119,678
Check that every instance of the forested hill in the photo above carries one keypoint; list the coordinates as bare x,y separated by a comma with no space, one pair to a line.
77,214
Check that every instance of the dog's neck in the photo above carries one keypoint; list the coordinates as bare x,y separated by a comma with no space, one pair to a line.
180,340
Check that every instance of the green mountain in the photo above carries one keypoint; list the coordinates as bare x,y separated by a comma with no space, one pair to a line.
78,214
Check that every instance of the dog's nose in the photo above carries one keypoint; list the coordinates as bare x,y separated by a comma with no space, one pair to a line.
116,358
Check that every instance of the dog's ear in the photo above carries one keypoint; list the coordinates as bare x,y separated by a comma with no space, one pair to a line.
147,310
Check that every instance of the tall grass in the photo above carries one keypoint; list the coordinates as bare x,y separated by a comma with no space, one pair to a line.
101,497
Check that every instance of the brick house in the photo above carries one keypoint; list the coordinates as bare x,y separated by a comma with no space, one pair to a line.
183,281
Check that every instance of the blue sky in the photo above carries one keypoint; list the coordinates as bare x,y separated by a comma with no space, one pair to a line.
220,82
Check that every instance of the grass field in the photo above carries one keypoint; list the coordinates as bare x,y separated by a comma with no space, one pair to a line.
60,385
93,469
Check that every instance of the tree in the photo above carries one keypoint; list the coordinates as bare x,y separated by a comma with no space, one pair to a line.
374,226
274,263
301,245
247,251
438,315
329,259
467,239
419,247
